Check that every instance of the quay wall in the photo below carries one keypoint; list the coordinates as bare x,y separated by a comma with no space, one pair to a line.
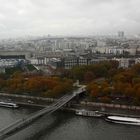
43,102
106,105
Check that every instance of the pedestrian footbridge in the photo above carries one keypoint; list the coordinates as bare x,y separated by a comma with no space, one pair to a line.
22,123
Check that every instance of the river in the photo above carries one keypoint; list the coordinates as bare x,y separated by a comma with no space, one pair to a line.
67,126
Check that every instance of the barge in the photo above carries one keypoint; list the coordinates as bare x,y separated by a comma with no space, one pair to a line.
123,120
88,113
8,104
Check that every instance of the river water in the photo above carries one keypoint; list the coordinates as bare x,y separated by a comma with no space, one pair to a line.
67,126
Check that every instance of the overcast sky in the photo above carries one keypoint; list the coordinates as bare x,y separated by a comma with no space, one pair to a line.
68,17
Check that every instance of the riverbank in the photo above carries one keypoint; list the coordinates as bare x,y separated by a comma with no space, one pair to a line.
111,109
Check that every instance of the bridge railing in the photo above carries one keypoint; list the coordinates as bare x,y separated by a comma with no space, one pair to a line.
47,110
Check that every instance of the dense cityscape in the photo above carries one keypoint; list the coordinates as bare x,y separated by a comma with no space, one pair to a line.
66,52
69,70
50,67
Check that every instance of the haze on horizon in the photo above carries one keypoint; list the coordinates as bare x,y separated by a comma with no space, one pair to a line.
68,17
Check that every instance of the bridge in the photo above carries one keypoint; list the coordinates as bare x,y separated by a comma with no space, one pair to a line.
22,123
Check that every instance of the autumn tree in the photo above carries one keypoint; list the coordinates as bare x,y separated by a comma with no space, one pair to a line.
89,76
93,90
2,83
106,90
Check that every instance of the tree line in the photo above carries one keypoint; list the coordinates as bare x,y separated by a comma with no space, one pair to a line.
38,85
107,81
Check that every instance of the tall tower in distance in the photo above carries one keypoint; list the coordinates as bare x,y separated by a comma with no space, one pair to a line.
121,34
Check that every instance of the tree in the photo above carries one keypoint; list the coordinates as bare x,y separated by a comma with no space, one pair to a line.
36,84
89,76
2,83
78,72
93,90
136,68
129,91
118,88
15,85
136,80
114,64
119,78
137,90
105,99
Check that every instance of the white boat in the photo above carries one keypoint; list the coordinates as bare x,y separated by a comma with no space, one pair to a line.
8,104
123,120
88,113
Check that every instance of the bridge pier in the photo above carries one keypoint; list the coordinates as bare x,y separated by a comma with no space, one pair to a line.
68,104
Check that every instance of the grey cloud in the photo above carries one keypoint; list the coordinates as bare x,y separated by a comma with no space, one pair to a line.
23,17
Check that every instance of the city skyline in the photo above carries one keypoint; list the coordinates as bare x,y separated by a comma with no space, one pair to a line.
61,17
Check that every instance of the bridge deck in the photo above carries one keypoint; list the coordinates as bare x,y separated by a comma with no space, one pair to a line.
18,125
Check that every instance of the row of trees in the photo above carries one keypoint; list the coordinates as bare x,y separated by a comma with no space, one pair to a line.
88,73
36,85
123,83
106,80
116,82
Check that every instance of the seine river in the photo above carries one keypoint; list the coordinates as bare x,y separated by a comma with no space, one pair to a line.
67,126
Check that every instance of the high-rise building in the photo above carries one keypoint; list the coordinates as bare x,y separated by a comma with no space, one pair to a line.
120,34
